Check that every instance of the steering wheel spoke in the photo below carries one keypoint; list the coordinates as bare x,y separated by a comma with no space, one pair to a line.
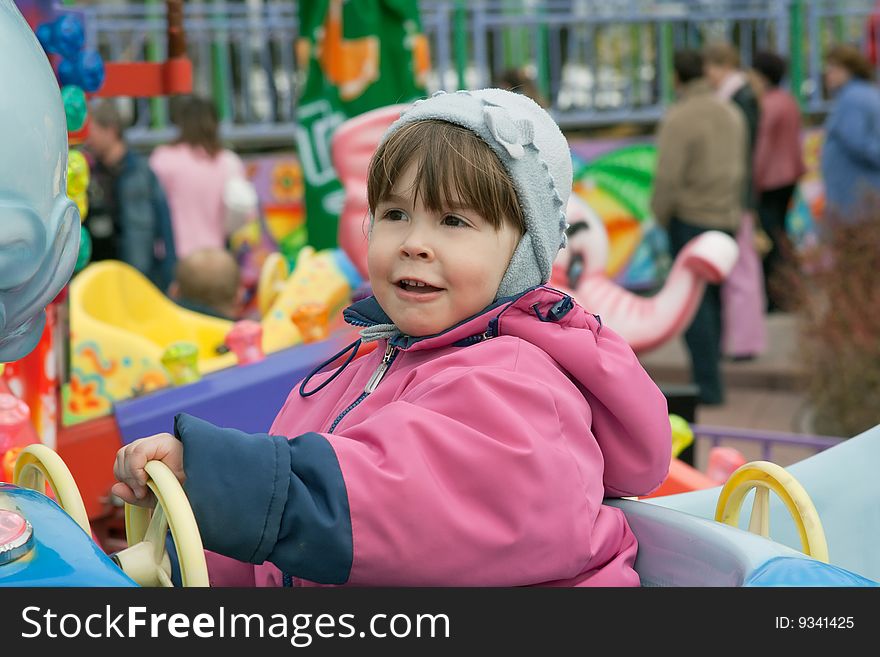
146,531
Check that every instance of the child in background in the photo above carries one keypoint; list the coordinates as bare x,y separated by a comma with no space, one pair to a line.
208,281
475,446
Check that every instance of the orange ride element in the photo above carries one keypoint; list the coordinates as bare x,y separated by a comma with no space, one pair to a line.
682,478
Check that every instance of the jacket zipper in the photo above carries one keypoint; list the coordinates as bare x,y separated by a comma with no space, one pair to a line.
372,384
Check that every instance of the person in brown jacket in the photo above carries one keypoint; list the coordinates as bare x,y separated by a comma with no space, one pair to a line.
698,186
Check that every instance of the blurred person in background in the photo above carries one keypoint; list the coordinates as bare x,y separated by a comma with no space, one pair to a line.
698,185
851,151
744,332
519,81
196,172
778,164
128,216
208,281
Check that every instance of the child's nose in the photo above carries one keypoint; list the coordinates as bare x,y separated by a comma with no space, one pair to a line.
416,245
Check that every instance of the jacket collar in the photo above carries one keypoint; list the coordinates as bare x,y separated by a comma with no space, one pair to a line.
368,312
696,87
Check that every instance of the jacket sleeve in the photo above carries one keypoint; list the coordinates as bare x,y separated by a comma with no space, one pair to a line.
164,273
766,147
852,128
137,219
258,497
630,414
669,173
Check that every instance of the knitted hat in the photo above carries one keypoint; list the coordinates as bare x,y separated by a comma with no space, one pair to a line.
534,153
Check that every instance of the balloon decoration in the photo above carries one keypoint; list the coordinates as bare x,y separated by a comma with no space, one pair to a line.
75,107
79,70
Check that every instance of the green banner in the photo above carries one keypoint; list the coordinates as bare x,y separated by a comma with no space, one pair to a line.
357,55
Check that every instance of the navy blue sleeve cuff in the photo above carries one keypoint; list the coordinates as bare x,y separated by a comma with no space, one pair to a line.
261,498
237,485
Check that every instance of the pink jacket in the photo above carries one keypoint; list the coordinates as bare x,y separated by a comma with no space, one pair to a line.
778,155
480,458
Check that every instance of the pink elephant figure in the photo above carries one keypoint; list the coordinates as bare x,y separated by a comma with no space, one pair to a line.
644,322
351,149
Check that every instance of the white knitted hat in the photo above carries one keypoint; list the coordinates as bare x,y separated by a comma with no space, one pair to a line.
534,153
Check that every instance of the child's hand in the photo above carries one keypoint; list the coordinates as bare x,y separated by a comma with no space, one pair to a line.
129,470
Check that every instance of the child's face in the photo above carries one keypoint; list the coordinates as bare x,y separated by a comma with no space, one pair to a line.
458,255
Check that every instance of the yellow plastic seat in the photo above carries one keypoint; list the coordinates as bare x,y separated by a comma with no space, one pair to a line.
120,324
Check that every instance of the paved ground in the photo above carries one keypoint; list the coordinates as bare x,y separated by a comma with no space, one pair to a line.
761,394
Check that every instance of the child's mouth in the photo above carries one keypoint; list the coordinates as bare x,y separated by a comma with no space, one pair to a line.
418,287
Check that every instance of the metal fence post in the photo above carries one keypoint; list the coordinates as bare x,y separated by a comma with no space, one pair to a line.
665,61
796,52
220,66
461,48
155,53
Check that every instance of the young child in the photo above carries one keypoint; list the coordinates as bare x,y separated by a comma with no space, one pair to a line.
475,445
208,281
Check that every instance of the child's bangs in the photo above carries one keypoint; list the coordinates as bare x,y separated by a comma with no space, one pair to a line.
455,169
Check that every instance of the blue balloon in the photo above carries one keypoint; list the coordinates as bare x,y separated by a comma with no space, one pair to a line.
91,70
68,73
68,35
45,36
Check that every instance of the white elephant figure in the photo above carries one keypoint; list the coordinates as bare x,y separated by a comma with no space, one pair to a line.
39,224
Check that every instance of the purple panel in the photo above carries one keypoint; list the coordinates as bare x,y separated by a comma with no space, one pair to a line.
246,397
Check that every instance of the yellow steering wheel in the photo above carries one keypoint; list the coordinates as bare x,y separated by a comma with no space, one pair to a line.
764,477
146,559
38,466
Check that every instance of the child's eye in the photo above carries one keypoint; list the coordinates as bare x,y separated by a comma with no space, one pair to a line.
455,222
394,215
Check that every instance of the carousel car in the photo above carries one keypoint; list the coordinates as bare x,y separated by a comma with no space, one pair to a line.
689,539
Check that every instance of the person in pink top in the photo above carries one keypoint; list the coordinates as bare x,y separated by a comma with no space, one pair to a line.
194,172
778,164
475,445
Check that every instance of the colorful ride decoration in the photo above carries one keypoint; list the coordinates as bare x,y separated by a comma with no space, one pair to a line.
121,326
280,228
354,57
808,205
617,185
644,322
34,379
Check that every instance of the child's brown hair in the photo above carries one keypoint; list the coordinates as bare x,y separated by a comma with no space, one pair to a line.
454,167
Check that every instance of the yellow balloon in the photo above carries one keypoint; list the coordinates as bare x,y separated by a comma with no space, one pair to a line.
77,174
82,202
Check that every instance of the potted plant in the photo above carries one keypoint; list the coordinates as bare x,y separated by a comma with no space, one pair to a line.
834,289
